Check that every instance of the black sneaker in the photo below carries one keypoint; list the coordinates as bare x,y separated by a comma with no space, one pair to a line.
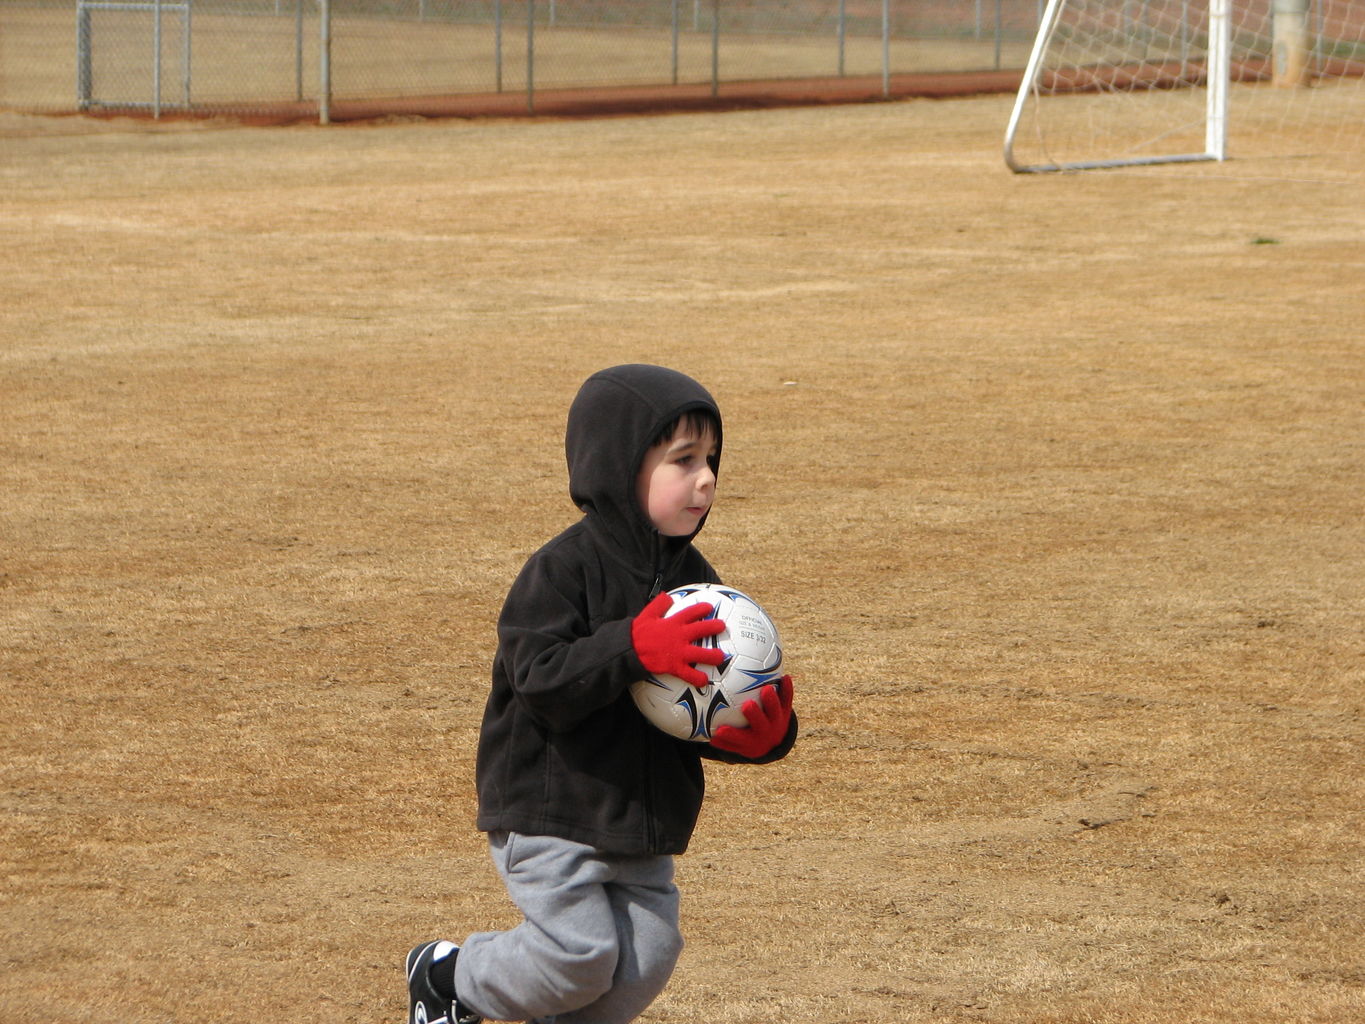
425,1004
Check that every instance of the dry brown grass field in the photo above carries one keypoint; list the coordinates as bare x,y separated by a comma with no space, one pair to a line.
1054,485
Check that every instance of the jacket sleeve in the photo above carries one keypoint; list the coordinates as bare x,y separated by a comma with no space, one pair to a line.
559,667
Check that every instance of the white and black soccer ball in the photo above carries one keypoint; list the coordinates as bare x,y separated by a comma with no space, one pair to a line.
753,659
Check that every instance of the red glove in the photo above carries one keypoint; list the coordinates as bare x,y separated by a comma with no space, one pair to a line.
665,645
769,717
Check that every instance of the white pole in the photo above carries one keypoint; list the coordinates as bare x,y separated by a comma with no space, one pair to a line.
1219,73
1029,82
1290,42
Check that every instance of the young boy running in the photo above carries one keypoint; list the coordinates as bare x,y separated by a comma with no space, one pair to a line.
584,802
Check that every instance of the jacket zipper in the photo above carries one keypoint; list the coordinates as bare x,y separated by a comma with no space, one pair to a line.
651,827
657,588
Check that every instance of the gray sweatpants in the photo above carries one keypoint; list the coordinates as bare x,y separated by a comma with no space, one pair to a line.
598,942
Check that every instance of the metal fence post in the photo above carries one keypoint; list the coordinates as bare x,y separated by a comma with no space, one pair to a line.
298,50
186,49
843,33
325,62
886,48
497,44
999,31
84,86
156,58
715,47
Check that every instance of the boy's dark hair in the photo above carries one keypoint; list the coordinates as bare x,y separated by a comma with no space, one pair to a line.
698,421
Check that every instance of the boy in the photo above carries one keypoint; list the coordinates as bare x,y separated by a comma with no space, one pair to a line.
584,802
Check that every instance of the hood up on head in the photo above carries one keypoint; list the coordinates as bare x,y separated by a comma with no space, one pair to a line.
616,415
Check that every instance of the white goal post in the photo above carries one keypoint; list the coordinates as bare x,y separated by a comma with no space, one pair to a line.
1113,83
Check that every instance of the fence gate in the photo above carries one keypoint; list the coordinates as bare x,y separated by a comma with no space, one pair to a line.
133,53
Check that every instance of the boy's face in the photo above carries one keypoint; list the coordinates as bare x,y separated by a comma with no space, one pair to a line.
676,484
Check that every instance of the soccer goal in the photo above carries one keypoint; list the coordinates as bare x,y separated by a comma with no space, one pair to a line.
1114,83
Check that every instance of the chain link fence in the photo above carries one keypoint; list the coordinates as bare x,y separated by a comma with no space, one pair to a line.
317,57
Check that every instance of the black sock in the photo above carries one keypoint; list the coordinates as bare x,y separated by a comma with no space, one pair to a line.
442,975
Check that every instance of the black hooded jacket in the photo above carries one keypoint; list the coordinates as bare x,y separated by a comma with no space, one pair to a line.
563,750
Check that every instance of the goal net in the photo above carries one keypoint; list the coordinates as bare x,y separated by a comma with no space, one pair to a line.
1119,82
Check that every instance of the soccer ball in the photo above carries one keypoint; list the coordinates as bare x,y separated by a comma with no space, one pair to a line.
753,659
